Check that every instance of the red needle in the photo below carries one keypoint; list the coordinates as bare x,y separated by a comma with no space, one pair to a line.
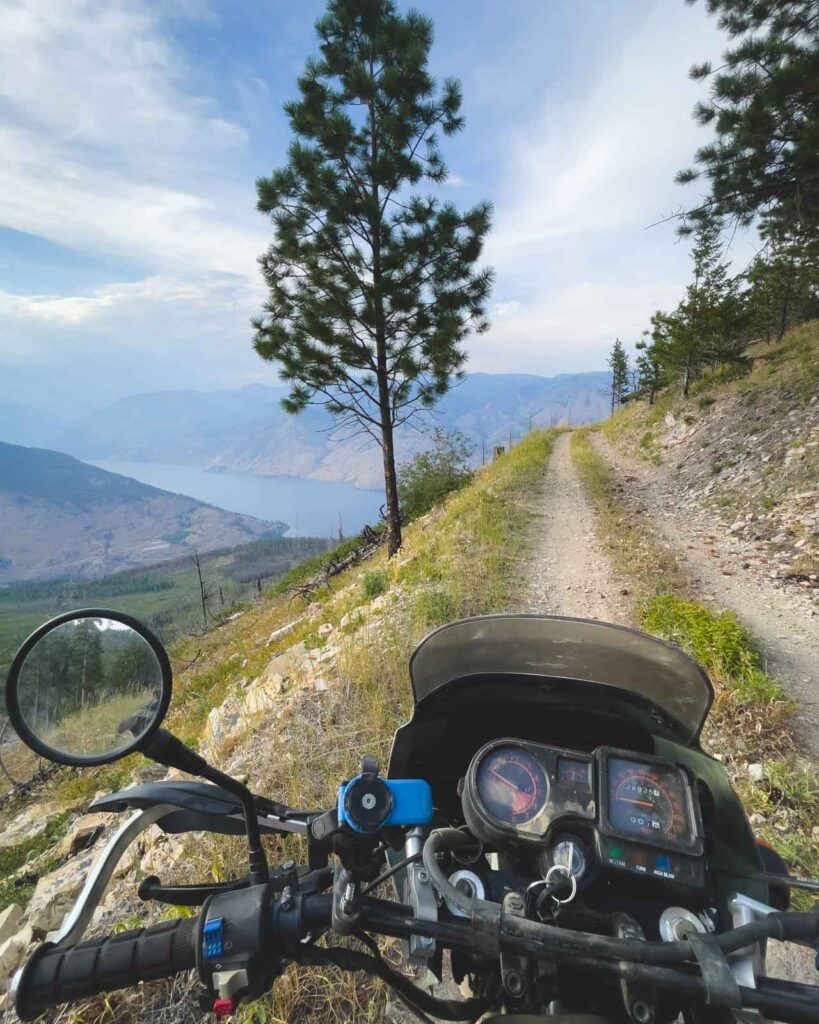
641,803
503,778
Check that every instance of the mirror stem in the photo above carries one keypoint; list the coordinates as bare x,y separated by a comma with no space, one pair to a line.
171,752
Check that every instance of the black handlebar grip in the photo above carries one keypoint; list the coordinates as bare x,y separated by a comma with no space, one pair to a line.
56,974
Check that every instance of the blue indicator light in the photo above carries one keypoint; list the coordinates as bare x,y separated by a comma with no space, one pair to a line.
212,938
662,863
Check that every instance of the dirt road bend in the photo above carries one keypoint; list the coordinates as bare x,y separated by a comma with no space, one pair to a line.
567,571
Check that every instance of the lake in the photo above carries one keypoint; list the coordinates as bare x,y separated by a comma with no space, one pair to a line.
311,508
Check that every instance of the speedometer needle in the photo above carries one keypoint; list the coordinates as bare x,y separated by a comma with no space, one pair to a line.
503,779
640,803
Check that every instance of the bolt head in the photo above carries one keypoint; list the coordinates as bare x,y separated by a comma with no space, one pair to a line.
514,983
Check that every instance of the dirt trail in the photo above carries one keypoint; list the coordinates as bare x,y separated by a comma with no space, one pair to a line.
781,621
568,572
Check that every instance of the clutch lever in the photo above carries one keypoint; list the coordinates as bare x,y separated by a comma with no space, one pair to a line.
186,895
74,925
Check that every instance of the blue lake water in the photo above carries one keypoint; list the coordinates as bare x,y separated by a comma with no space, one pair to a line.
311,508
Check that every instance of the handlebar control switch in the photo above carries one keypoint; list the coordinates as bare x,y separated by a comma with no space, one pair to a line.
234,958
213,938
368,802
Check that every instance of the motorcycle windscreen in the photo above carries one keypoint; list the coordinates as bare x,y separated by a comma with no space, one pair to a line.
546,647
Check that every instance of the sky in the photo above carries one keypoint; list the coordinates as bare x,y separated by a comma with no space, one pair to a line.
132,132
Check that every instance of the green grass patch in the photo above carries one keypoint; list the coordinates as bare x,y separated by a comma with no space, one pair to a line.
375,583
717,641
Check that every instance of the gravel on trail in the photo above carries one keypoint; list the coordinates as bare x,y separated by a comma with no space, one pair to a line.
567,571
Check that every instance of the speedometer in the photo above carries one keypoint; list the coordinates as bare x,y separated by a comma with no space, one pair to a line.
649,800
512,785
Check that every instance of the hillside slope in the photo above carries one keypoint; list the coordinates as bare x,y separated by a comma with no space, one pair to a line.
292,694
245,430
742,457
728,481
61,517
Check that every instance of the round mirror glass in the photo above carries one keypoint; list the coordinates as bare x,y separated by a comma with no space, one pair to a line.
87,689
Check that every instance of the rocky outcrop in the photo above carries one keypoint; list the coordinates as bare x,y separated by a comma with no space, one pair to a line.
749,474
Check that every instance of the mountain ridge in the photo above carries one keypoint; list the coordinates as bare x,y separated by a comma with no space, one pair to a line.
245,430
61,516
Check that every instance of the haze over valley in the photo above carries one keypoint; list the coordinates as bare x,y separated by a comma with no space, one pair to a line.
245,430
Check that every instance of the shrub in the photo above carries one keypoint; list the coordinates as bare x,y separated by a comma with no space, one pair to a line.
434,473
375,583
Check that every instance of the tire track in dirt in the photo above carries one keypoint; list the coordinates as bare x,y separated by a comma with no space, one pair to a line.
781,622
567,571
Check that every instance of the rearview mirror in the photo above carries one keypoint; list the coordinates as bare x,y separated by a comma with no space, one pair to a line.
88,687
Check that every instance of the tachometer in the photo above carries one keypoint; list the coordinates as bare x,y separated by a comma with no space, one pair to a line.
512,785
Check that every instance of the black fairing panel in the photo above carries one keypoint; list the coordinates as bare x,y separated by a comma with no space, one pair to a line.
553,650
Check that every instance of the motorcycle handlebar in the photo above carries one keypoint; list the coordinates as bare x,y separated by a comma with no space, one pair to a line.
57,974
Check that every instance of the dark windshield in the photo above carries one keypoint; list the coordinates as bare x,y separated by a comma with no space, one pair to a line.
546,647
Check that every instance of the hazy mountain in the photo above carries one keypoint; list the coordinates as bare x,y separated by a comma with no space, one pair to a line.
245,429
23,424
61,517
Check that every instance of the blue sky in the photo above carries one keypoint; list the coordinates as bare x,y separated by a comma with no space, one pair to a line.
131,133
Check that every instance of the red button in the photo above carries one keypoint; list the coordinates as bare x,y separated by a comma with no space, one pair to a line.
223,1007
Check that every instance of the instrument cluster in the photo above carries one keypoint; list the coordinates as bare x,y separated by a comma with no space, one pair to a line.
642,811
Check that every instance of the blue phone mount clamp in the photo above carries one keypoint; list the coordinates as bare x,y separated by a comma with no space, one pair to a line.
368,802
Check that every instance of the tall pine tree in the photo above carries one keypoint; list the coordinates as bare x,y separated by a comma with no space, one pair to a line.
764,107
373,289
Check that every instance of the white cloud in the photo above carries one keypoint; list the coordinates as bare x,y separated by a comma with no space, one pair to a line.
580,186
606,159
104,149
77,309
569,329
107,149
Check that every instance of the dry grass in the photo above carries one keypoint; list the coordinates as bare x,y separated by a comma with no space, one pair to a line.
457,560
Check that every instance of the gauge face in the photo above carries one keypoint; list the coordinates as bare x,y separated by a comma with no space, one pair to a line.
647,800
570,770
512,785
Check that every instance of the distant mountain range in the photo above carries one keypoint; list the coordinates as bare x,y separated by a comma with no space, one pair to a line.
62,518
245,429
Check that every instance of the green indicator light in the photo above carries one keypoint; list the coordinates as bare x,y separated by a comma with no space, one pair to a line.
616,852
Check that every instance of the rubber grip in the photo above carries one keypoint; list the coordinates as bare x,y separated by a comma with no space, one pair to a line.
57,974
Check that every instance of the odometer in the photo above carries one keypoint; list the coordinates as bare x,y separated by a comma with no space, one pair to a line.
512,785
